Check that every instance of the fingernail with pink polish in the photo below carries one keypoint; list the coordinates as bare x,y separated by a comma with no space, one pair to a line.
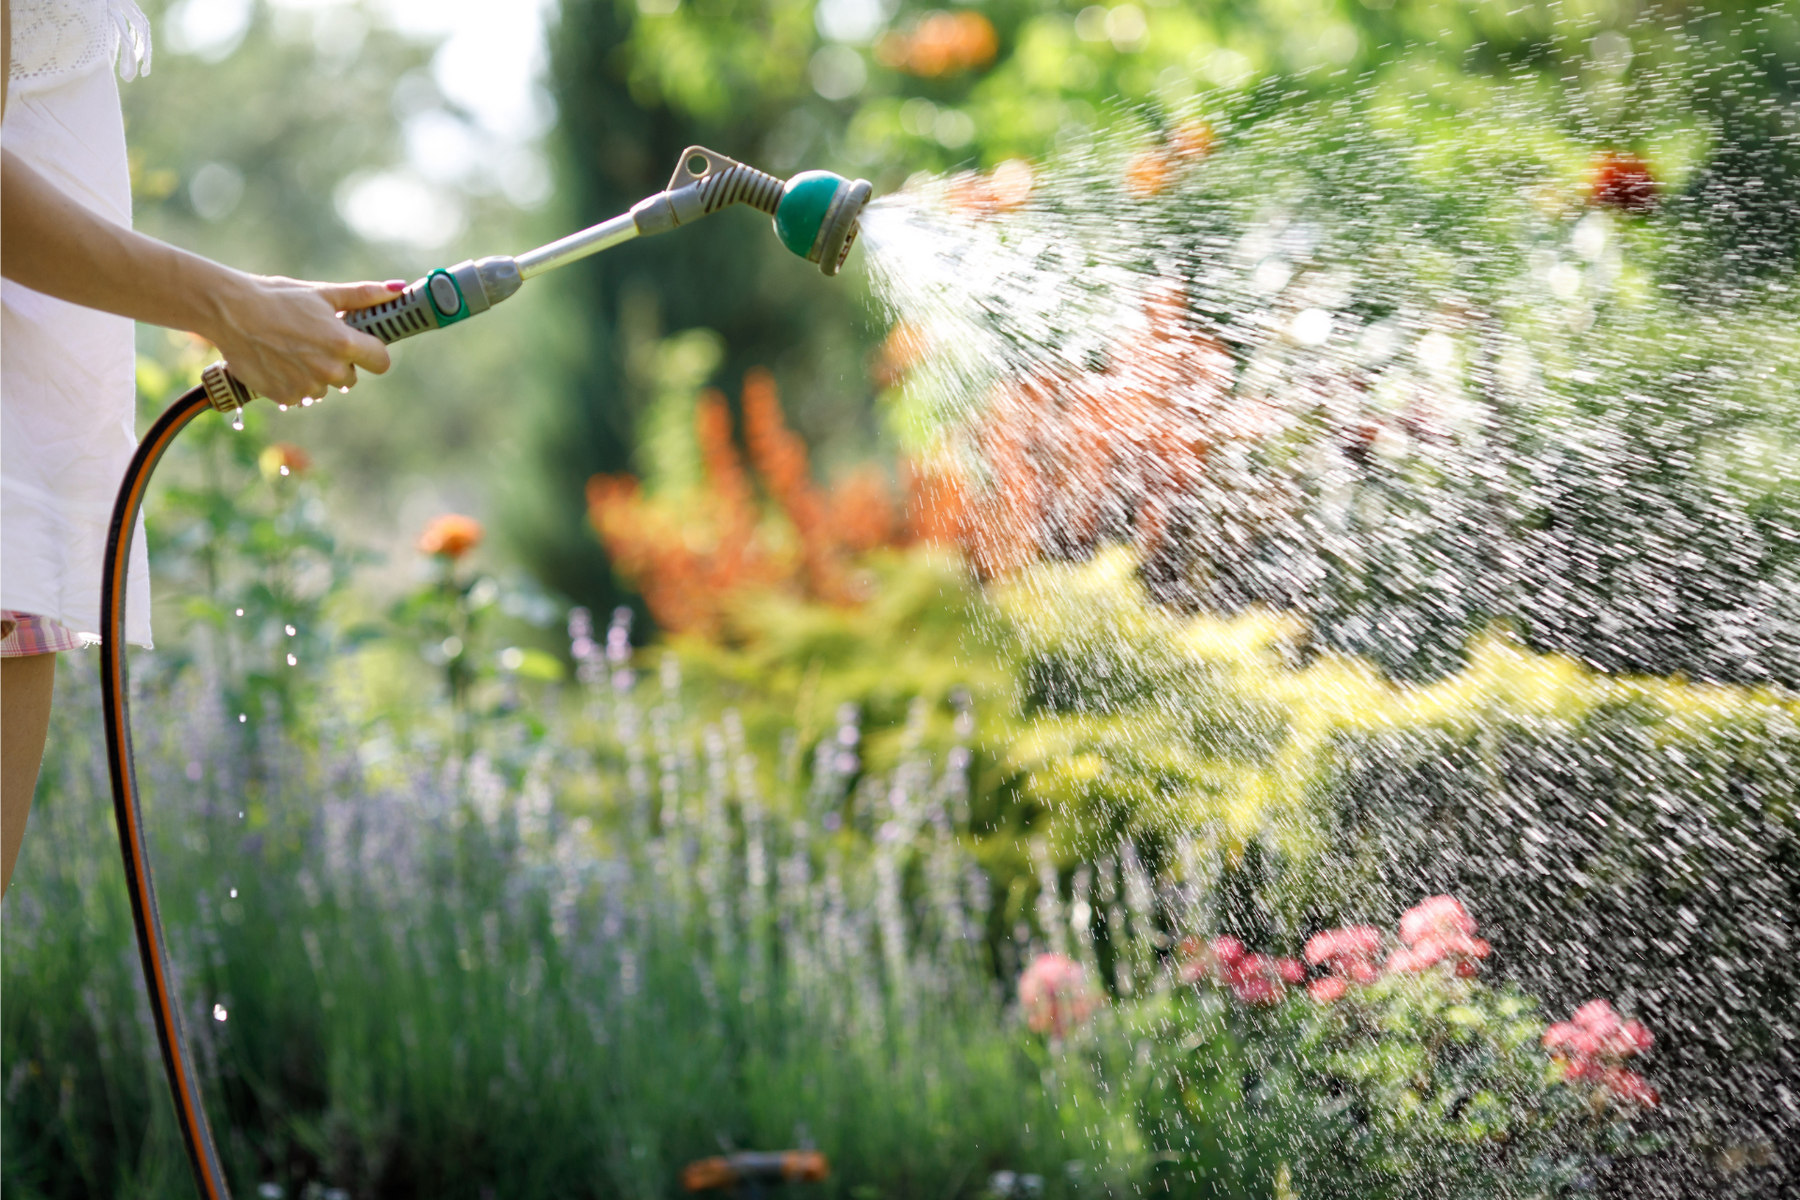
396,285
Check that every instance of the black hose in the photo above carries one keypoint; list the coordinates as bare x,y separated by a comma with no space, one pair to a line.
127,807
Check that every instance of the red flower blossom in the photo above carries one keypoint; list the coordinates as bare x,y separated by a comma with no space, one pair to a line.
1291,970
1622,181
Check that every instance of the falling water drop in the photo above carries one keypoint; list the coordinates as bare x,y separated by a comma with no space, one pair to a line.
292,661
291,631
242,717
219,1013
240,612
234,893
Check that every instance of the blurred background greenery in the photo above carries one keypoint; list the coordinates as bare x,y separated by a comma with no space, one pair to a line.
447,860
382,137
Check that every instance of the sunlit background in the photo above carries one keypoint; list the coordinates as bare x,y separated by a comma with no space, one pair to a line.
1245,647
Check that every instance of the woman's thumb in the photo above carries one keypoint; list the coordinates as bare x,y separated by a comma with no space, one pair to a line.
346,296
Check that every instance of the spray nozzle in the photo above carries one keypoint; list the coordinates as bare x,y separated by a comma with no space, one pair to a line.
816,216
815,212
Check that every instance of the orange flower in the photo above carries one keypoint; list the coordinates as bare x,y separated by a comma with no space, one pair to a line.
899,352
450,536
1005,188
1148,173
283,458
941,44
862,513
1191,139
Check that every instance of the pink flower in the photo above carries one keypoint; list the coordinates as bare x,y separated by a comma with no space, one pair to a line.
1559,1035
1598,1017
1257,989
1257,979
1592,1045
1327,990
1629,1087
1291,970
1405,962
1054,995
1340,947
1438,915
1228,950
1363,972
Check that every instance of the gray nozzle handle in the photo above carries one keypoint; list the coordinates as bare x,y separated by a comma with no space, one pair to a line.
704,182
442,298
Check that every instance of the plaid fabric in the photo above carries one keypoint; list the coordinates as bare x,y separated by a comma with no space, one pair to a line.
28,633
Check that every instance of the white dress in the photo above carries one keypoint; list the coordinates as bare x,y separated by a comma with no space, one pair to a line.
67,374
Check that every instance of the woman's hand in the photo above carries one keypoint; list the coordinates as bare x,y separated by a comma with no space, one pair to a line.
283,339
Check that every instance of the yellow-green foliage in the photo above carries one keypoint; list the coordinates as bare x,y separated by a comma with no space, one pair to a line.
1228,729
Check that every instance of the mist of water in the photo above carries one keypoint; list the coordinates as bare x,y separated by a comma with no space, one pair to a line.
1411,379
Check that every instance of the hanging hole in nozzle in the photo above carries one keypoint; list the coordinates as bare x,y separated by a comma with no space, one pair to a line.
697,164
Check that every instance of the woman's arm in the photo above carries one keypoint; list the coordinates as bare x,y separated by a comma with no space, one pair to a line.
281,337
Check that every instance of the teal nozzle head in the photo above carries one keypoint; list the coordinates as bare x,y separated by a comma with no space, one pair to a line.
815,212
817,216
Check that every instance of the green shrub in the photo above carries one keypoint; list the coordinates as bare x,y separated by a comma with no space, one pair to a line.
1629,837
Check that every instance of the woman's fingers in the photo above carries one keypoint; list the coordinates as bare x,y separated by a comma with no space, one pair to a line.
284,338
346,296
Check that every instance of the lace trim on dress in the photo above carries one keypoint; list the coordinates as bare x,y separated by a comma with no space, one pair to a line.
59,39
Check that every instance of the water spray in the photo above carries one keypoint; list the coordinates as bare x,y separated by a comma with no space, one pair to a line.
816,215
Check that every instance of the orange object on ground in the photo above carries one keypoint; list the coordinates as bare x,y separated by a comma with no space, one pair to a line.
754,1166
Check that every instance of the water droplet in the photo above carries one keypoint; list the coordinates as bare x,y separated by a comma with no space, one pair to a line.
219,1013
281,408
291,631
240,612
306,402
343,391
234,893
284,470
292,661
242,717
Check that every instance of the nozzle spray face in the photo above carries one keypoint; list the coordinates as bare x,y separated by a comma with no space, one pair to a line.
817,217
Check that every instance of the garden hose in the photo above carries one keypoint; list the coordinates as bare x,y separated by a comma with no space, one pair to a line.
815,215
